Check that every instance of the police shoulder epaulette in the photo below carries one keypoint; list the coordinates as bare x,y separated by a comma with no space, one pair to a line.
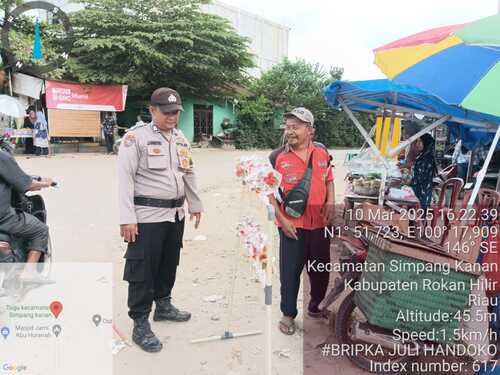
180,134
138,126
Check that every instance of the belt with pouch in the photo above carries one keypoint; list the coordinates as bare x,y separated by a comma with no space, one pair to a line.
159,203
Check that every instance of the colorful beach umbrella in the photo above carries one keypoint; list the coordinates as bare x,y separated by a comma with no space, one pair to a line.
460,64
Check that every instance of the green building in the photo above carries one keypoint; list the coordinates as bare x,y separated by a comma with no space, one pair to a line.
200,119
204,119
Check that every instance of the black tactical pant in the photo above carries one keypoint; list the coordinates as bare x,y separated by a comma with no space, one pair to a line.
151,264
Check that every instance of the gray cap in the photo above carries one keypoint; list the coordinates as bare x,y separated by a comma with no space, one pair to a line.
303,114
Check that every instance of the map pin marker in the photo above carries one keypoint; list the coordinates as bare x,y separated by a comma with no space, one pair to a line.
97,319
56,308
5,332
57,329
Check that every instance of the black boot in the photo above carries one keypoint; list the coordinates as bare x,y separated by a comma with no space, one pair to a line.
166,311
144,337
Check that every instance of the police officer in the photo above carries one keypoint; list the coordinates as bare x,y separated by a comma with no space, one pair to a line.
155,178
20,224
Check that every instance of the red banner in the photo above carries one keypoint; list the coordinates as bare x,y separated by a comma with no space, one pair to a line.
62,95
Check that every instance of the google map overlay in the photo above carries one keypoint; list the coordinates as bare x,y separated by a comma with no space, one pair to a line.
56,319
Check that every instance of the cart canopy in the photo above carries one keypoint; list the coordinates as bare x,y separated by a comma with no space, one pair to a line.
375,95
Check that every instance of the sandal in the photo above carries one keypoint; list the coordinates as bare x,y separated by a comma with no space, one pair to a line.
322,314
287,325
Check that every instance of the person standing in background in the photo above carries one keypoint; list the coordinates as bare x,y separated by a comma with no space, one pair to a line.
410,129
29,123
108,128
461,157
140,121
424,170
41,135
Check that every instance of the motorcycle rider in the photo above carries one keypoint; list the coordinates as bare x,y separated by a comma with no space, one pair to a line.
20,224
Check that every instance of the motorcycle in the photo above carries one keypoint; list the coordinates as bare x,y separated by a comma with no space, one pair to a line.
14,252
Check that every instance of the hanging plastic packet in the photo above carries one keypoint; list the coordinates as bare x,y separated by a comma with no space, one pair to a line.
258,173
254,241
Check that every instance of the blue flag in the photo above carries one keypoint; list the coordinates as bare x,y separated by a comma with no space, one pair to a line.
37,47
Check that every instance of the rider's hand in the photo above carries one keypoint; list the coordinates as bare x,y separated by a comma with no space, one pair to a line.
129,232
39,185
47,182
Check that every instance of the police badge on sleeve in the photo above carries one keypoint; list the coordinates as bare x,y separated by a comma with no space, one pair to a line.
184,152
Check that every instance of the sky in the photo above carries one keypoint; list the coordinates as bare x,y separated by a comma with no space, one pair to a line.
343,33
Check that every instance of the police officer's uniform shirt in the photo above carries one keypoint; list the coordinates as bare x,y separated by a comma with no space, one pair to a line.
154,166
11,177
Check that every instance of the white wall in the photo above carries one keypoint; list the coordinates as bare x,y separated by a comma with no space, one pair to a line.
269,40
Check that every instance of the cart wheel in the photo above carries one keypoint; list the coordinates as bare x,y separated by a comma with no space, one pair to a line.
347,316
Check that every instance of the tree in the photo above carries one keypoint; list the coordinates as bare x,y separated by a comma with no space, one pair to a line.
292,83
255,118
150,43
301,84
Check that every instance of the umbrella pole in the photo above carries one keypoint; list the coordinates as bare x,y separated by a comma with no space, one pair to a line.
414,137
268,289
363,132
482,172
374,148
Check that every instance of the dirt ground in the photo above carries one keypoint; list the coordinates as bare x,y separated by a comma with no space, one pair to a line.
83,217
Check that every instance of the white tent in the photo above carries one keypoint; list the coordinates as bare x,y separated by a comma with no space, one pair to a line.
10,106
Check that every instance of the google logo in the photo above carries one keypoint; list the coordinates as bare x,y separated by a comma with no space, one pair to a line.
6,367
